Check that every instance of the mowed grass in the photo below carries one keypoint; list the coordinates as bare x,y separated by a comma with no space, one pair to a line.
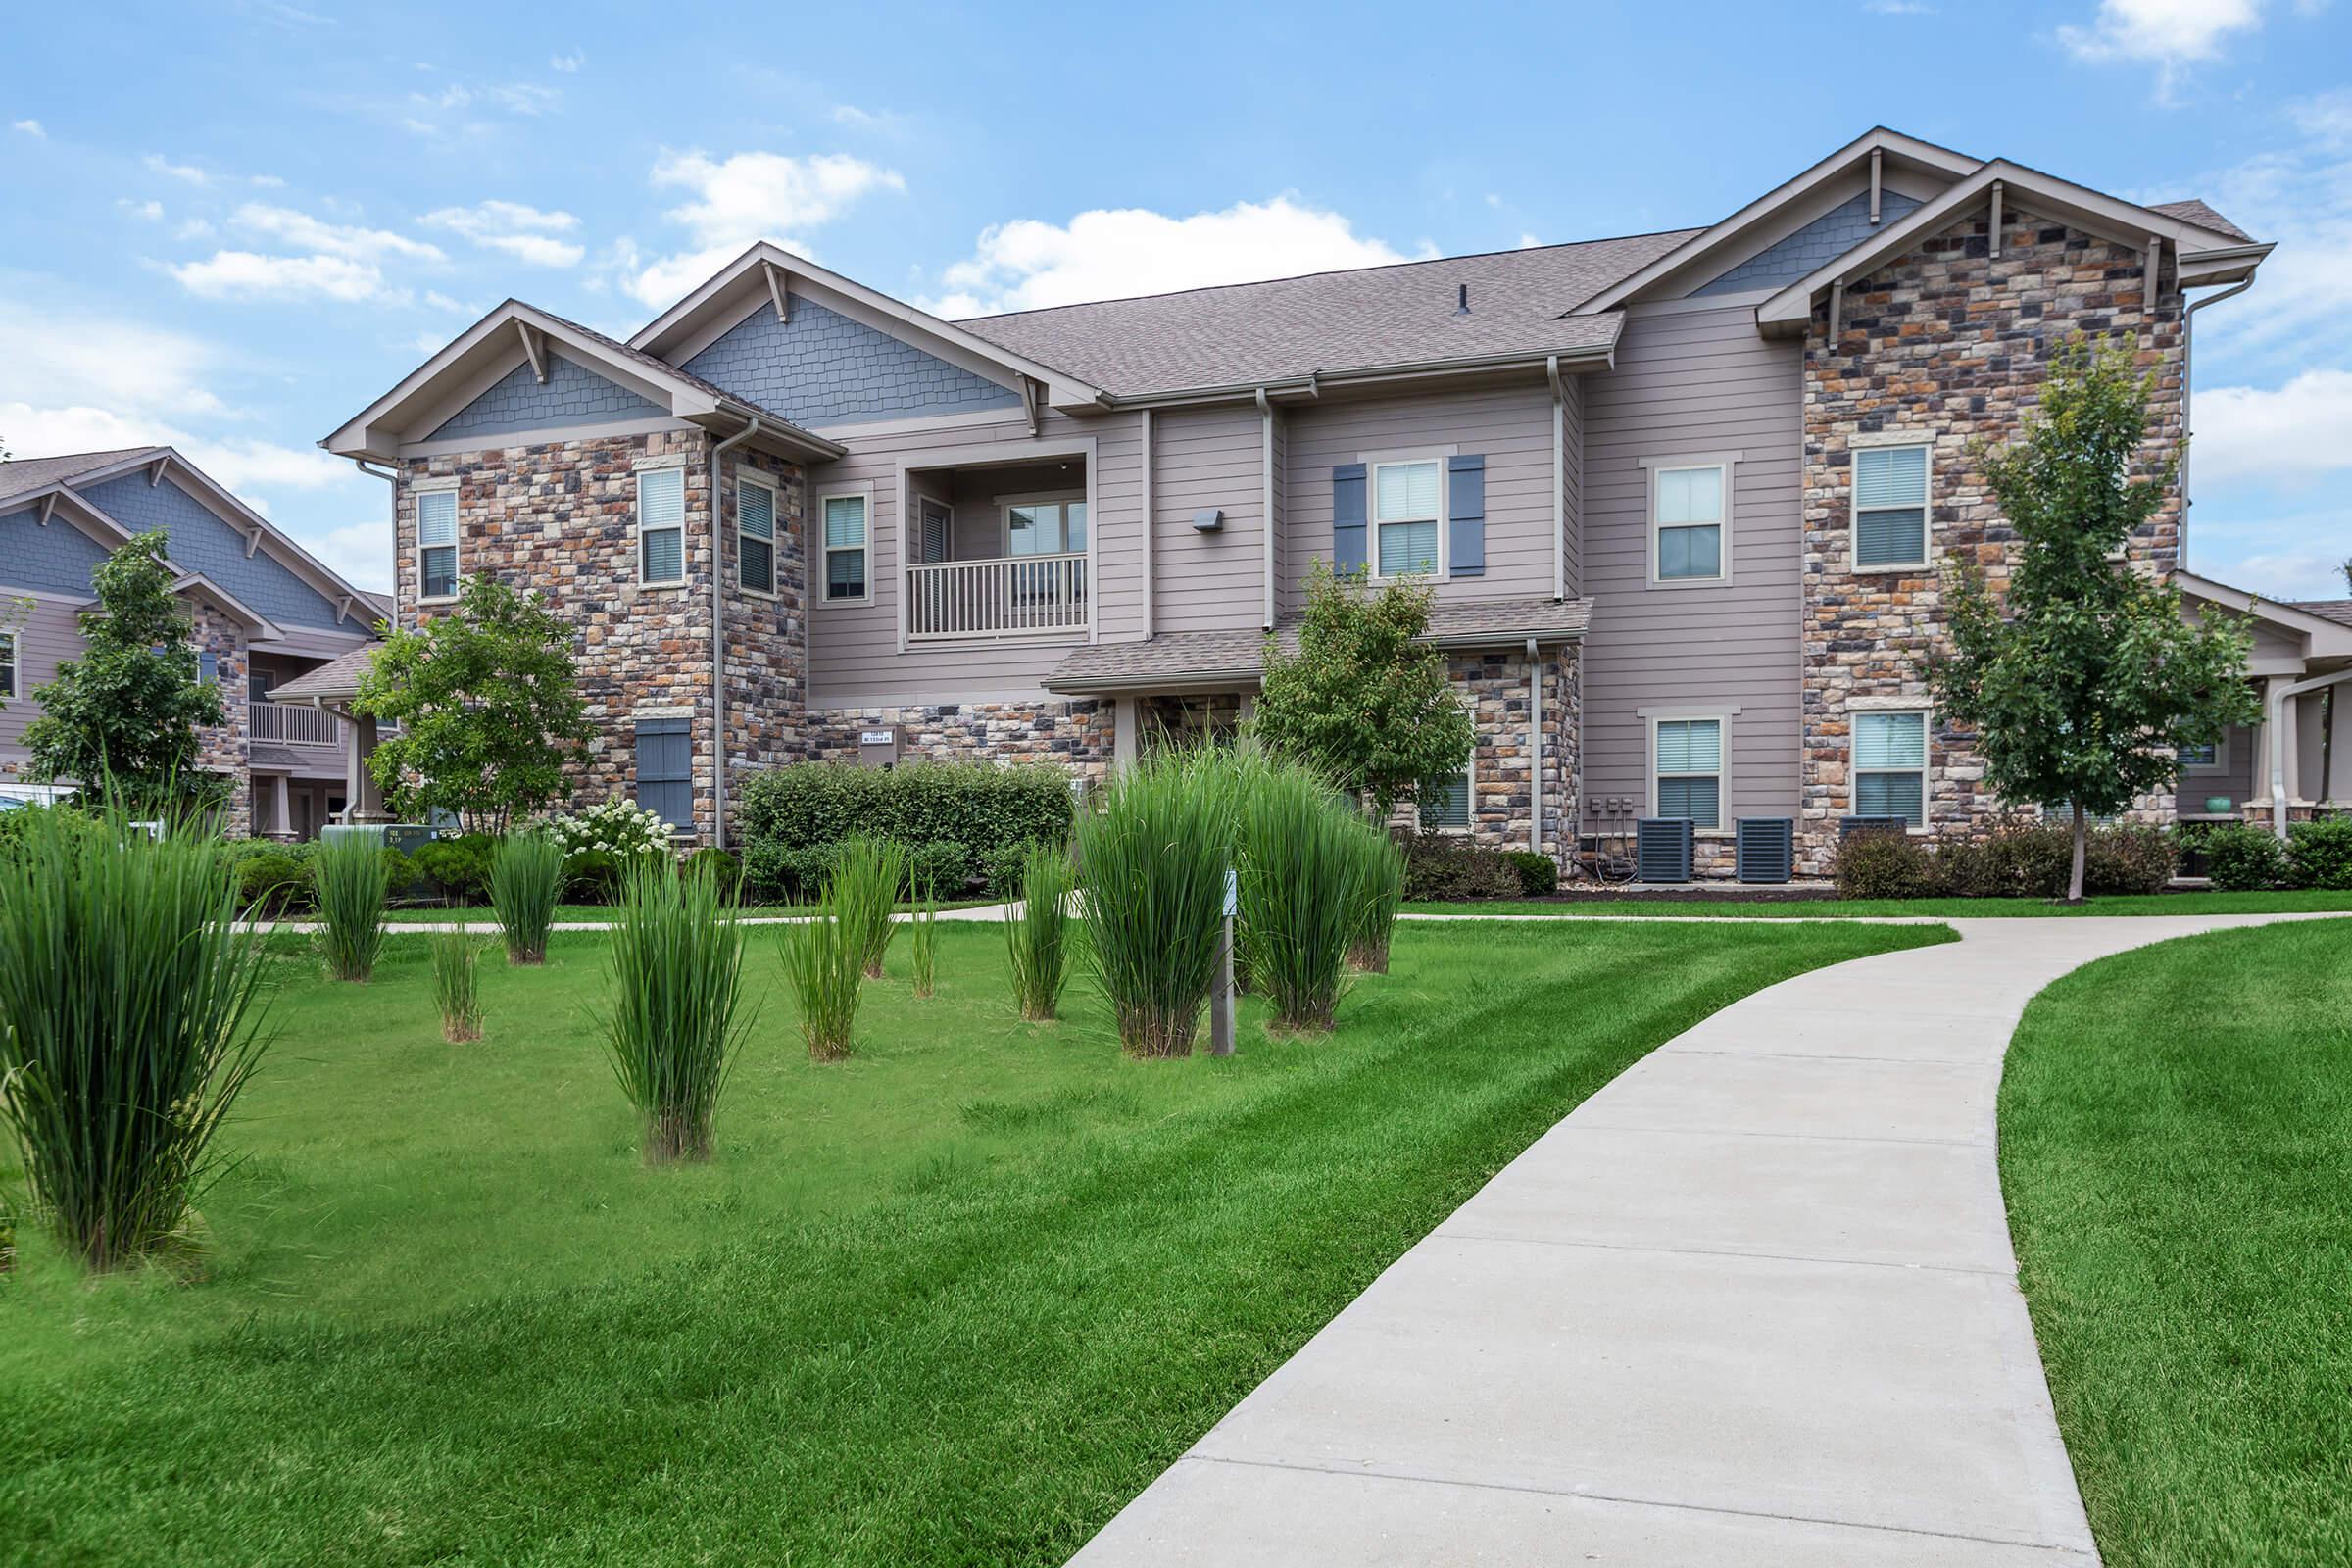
955,1301
2176,1152
575,913
1727,908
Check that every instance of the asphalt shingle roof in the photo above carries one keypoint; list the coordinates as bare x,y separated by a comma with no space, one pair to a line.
1375,317
26,474
2339,610
2196,211
335,680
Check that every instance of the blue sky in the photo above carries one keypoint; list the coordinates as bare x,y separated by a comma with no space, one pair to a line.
231,226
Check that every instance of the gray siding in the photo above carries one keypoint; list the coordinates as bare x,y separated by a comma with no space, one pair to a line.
572,395
1572,480
50,632
201,541
1511,428
1209,457
1823,240
1692,382
57,560
820,368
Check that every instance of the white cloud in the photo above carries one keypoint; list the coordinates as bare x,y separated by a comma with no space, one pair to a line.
193,228
2170,34
569,63
527,234
1529,242
1899,8
30,127
61,358
2325,119
187,172
2298,433
348,241
269,182
442,301
1109,254
361,552
148,211
747,197
244,274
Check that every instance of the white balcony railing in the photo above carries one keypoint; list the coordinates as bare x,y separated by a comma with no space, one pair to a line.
1017,595
295,724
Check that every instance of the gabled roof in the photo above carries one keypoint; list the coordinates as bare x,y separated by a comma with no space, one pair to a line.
2326,626
513,327
2339,610
27,477
335,681
2196,211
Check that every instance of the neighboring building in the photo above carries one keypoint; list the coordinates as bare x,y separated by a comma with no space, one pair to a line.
1685,497
265,611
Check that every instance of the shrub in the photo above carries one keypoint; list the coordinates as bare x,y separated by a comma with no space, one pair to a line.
1001,869
1538,874
940,869
270,879
1383,890
526,879
721,867
457,961
2242,858
620,829
825,966
1152,863
131,1025
1887,865
458,868
867,874
2124,859
1448,867
593,876
352,874
1301,894
978,806
1036,938
673,1026
779,875
2319,855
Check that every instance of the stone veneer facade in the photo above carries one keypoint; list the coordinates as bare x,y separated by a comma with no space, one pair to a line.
1951,342
227,746
1076,735
1494,686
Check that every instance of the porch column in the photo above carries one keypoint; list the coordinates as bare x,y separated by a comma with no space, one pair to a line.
363,802
281,809
1245,707
2310,752
1123,751
2337,785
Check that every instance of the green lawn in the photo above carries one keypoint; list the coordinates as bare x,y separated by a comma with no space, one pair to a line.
952,1302
2176,1151
1935,908
572,913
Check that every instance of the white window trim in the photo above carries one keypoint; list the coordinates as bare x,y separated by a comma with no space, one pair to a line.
819,598
1005,504
1398,460
13,667
1651,718
758,481
456,538
1925,826
1854,505
1728,463
637,535
1469,805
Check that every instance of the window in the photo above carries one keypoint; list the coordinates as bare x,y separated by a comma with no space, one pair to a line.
846,577
2205,758
665,770
8,663
1045,527
438,544
1891,507
208,668
1690,770
257,683
661,526
1890,766
1687,504
755,536
1406,498
1445,804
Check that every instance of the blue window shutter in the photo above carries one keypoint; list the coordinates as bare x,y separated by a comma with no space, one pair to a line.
666,769
1348,518
1466,498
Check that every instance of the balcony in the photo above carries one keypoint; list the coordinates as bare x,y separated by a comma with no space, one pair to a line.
294,725
1013,596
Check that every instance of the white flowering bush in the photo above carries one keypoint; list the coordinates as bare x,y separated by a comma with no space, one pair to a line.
620,828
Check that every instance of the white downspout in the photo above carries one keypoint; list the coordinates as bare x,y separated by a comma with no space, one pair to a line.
718,636
1151,522
1266,492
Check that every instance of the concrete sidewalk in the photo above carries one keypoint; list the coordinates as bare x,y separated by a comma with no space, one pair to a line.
1753,1301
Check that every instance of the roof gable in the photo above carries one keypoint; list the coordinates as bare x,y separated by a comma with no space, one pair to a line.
819,368
202,544
55,557
571,395
1824,238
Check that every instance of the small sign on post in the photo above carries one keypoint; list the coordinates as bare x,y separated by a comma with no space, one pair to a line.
1220,997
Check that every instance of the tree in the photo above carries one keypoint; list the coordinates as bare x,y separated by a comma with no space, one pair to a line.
2084,681
487,706
1363,701
125,714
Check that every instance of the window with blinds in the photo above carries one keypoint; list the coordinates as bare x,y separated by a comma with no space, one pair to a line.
8,663
1891,507
661,525
1445,804
438,544
1689,769
1890,766
1689,523
1405,502
755,536
845,530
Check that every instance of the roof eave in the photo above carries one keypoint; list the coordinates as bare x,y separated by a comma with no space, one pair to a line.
1597,356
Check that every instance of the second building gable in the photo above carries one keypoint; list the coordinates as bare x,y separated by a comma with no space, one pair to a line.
822,368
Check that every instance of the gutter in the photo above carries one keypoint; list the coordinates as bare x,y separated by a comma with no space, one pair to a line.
718,638
1311,383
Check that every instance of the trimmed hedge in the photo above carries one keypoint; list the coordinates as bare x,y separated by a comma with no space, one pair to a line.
2242,858
2319,855
1444,866
957,819
1538,874
2015,862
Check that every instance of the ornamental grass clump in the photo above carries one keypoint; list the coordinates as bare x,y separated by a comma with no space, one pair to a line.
457,989
1383,867
527,880
132,1023
824,963
1038,937
1151,865
863,889
1302,891
352,880
922,944
676,1017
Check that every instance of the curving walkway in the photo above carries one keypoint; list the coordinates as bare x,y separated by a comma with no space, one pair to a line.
1753,1301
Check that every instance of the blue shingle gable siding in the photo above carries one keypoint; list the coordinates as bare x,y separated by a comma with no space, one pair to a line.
1825,239
202,542
824,368
56,560
573,394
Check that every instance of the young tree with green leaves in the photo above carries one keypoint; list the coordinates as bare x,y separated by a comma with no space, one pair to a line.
125,714
488,707
1363,701
2084,681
